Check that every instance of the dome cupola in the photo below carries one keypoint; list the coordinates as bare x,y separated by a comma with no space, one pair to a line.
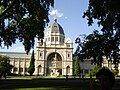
56,28
55,34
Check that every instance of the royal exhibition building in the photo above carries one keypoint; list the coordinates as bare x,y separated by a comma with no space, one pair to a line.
53,56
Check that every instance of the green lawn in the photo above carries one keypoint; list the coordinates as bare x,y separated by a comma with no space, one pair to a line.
43,88
26,83
44,84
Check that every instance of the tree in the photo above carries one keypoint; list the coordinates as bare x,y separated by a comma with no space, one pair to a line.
92,47
31,68
77,66
107,42
23,20
5,67
94,71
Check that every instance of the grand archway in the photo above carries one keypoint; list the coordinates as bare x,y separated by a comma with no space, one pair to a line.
54,64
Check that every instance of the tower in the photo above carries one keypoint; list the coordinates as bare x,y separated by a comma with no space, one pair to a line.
54,52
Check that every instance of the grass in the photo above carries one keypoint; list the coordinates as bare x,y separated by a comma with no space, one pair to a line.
33,83
44,84
43,88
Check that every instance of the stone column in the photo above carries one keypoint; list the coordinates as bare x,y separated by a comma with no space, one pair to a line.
24,67
37,71
13,64
45,67
19,65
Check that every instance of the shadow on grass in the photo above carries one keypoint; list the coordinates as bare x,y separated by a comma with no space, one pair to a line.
48,84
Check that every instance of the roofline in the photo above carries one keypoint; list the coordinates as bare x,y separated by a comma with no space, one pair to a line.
14,53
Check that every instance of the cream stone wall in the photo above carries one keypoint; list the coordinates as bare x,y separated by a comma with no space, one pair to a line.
20,64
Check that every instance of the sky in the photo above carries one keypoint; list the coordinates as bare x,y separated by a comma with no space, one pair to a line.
69,15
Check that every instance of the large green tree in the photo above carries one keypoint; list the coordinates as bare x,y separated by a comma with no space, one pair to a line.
107,42
5,67
93,47
31,68
23,20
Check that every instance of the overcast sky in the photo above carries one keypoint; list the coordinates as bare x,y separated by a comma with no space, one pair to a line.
69,14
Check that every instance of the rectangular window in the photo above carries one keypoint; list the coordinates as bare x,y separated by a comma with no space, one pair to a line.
63,40
15,69
68,45
60,39
56,38
52,39
26,69
21,69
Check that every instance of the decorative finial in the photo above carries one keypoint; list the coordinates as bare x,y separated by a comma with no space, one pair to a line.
55,20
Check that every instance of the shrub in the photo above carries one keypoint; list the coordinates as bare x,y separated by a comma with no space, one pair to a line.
115,72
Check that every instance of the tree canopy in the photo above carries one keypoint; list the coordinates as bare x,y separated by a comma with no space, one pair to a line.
106,42
107,13
23,20
5,67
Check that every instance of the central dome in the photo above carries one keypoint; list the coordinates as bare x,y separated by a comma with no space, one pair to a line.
55,34
56,28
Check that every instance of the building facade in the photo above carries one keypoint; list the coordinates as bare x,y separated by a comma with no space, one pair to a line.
87,66
20,61
53,55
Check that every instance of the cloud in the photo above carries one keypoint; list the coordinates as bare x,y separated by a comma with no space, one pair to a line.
66,17
18,49
56,13
13,49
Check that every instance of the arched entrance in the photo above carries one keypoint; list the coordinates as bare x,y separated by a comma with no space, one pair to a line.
54,64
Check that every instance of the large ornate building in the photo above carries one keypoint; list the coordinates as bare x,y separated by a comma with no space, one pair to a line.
53,55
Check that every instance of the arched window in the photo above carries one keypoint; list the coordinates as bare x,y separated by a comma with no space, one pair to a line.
39,69
67,70
41,54
68,55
